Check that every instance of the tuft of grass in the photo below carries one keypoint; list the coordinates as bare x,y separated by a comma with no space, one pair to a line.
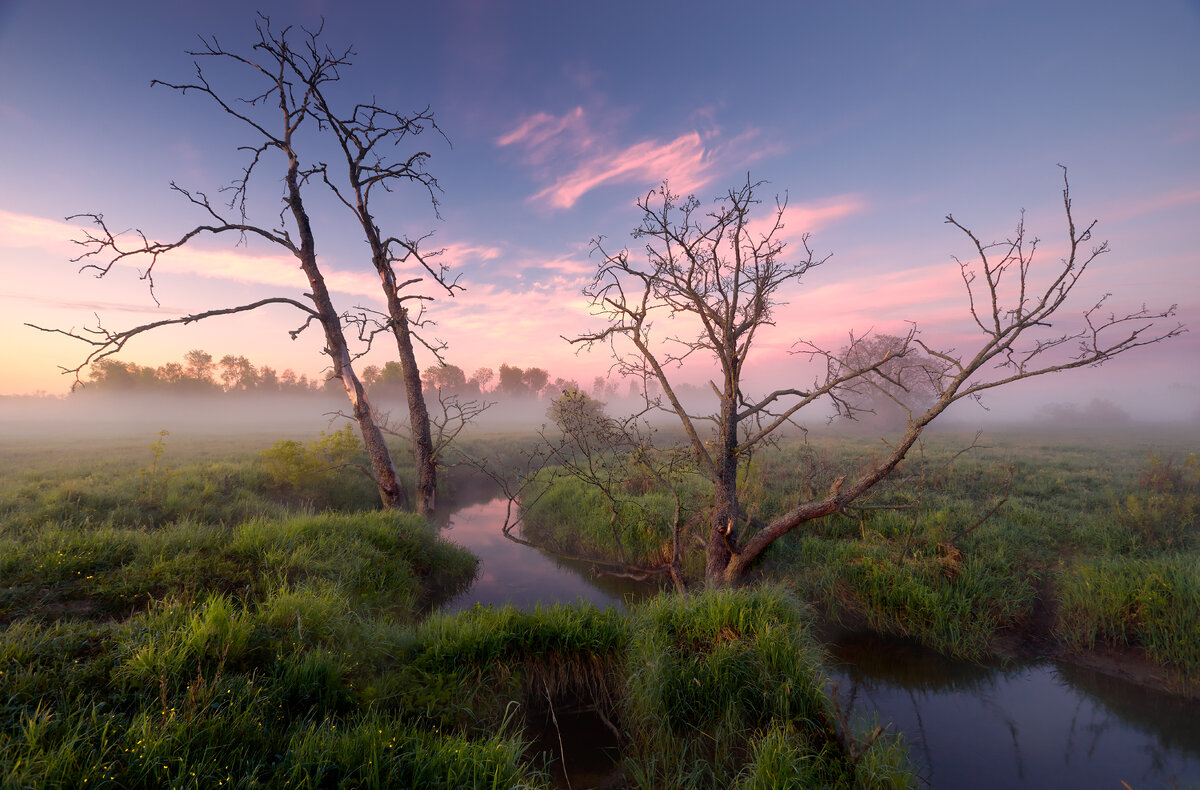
570,515
1148,603
730,684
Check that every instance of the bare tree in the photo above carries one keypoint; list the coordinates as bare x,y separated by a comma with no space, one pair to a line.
285,102
363,134
887,396
720,277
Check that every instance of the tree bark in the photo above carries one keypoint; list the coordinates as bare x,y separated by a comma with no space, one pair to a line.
391,493
418,414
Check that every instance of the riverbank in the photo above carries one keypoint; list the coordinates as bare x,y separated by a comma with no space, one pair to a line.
1017,722
178,621
1085,551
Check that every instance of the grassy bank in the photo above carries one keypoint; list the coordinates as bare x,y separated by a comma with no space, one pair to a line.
1086,541
195,621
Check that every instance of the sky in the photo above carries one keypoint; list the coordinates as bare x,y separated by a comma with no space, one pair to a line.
875,119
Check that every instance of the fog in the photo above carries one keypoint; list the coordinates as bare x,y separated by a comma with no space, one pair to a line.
274,416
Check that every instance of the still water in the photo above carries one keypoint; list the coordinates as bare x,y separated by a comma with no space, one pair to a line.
968,726
510,573
1038,725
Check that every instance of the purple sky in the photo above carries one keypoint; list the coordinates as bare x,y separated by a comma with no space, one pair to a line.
876,118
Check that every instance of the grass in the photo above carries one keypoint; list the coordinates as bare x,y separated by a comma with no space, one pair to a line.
380,560
1105,530
157,630
1151,603
729,684
300,690
573,517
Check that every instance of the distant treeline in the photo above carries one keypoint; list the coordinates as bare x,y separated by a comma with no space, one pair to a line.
200,373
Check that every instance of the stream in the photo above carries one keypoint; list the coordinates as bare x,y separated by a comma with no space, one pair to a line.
1039,725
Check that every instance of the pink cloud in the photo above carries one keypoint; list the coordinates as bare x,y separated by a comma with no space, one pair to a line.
530,320
1151,205
237,265
457,254
884,302
581,161
682,161
24,230
574,265
538,129
810,217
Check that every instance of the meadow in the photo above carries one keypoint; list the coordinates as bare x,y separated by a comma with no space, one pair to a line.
192,611
1026,544
184,611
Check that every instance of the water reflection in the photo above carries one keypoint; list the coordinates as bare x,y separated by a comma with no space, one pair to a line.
968,725
510,573
1037,725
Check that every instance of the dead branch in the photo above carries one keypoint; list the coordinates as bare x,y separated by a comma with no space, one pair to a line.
106,342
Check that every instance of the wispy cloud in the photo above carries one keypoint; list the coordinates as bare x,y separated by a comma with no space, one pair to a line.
810,217
538,129
575,159
91,307
682,161
931,295
27,231
237,265
1166,201
457,254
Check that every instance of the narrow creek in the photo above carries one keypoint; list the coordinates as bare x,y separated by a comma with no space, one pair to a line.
1033,726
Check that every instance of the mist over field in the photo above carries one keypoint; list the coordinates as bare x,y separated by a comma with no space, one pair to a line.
113,415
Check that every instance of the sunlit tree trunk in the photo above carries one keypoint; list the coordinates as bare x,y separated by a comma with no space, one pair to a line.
418,413
391,493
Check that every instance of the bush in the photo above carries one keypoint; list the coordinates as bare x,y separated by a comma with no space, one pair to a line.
330,471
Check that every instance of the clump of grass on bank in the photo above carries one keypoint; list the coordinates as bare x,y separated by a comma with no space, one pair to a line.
380,559
569,515
695,684
955,550
300,689
729,684
1148,603
950,604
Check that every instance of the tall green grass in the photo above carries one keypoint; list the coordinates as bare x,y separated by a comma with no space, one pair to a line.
1148,603
383,560
921,557
568,515
281,690
301,689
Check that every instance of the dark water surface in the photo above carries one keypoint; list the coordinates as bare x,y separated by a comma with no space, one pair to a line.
1033,726
968,726
511,573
